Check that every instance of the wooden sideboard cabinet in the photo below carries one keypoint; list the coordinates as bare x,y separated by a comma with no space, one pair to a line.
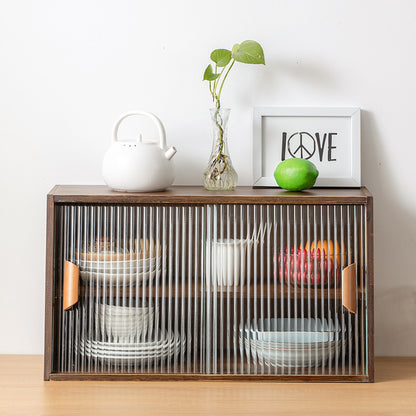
251,284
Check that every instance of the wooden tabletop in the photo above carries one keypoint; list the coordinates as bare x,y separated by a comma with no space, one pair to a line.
199,195
23,392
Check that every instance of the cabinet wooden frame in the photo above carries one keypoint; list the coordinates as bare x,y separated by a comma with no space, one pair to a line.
189,196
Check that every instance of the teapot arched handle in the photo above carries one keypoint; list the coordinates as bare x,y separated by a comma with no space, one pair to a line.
159,125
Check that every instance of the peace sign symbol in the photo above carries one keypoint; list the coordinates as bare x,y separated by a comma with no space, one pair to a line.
301,144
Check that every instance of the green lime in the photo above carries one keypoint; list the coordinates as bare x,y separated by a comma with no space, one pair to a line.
296,174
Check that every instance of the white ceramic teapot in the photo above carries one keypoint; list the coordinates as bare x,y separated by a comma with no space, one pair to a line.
139,166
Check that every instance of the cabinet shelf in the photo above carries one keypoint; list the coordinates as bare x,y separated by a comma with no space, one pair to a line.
196,291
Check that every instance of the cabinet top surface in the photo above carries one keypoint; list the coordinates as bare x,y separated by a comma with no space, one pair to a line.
199,195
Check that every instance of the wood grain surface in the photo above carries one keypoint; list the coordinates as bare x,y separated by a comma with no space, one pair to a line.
23,392
199,195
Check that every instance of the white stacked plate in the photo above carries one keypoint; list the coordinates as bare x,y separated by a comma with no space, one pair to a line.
125,323
292,342
123,272
164,346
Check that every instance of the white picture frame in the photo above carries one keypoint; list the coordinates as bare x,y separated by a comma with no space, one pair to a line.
329,137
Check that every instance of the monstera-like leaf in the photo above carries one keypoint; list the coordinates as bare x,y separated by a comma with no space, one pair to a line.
248,52
221,57
209,74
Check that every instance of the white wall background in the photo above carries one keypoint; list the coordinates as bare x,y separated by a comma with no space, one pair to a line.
68,69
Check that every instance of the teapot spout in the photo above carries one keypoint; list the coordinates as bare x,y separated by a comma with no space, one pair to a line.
170,153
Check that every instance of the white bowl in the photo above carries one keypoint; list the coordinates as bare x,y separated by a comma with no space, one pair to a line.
228,261
126,326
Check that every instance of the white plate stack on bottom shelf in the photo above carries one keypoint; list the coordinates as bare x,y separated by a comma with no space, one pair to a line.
162,345
292,342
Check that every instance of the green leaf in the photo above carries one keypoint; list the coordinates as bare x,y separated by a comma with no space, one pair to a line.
209,74
221,57
235,49
248,52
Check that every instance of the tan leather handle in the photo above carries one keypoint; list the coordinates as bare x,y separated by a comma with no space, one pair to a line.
349,286
71,280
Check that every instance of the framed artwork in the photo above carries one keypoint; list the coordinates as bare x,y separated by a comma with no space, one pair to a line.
328,137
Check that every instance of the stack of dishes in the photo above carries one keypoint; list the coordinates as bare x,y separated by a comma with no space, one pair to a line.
162,346
106,265
292,342
125,323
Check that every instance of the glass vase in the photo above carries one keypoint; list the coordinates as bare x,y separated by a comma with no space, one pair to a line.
220,174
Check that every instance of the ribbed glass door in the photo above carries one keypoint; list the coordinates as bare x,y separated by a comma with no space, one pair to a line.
212,289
